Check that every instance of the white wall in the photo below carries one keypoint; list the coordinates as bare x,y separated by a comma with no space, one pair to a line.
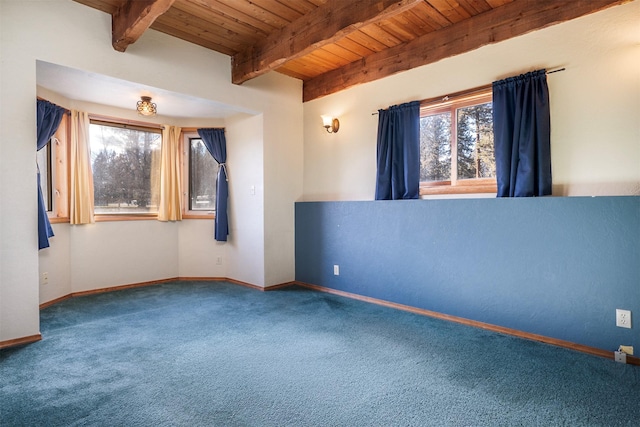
69,34
117,253
56,262
282,183
246,201
18,233
595,107
198,251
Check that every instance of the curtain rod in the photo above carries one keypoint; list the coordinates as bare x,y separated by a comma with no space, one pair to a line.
556,71
66,110
195,129
466,92
124,122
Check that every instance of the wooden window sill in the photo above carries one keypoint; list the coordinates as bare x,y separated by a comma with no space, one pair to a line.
197,216
430,190
107,218
58,220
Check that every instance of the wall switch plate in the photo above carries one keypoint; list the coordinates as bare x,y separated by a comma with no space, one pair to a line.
626,349
623,318
336,270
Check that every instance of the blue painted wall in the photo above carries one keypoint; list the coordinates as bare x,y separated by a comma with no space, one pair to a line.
558,267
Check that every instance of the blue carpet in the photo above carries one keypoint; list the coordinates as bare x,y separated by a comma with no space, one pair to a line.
218,354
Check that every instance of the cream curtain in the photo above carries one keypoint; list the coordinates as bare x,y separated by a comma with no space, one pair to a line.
81,211
170,208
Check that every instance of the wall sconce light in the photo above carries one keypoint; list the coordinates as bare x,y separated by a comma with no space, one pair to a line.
330,124
145,107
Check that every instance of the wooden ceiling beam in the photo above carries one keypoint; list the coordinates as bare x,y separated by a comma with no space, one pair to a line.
499,24
133,18
324,25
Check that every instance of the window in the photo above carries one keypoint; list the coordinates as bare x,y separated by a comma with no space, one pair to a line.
52,163
125,161
202,177
456,145
43,159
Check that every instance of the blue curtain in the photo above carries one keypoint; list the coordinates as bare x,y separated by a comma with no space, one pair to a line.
522,135
398,152
216,143
48,117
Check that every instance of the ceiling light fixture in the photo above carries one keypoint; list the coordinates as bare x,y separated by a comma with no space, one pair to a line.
330,124
145,107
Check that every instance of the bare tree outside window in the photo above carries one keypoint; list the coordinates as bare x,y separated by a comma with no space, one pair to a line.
202,177
126,169
43,160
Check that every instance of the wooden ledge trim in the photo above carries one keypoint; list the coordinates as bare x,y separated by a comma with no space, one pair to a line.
221,279
157,282
120,288
240,283
280,286
631,360
20,341
55,301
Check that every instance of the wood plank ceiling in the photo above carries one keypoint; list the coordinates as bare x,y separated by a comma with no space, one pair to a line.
335,44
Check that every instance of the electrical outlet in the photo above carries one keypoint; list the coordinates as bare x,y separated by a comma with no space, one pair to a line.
219,260
45,278
623,318
336,270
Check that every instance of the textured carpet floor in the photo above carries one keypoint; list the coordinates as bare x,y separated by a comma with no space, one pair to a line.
218,354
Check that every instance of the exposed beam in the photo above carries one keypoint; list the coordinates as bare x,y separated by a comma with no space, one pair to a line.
133,18
326,24
499,24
